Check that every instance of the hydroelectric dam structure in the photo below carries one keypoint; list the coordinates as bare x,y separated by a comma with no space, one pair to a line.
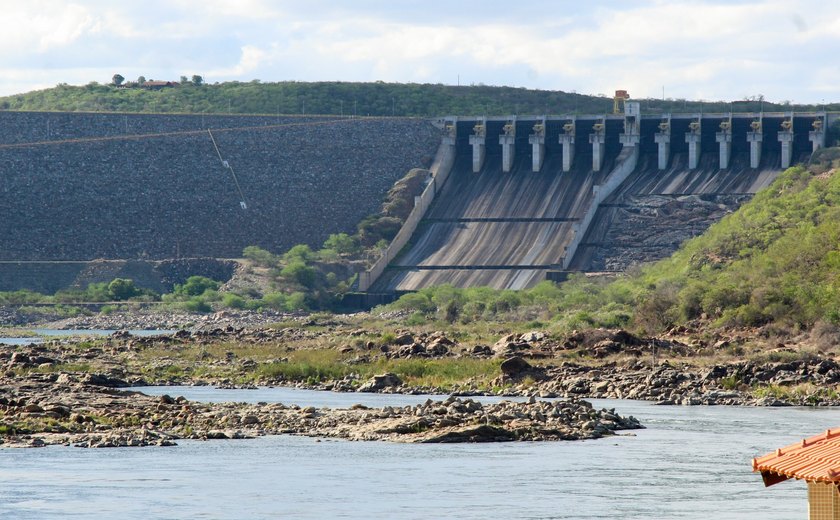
513,201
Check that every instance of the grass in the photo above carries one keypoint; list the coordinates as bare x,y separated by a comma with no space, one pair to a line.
314,366
810,392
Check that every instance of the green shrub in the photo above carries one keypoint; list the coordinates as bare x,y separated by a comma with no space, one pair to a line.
233,301
260,256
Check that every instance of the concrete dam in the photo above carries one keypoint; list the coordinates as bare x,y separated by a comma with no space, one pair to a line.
517,200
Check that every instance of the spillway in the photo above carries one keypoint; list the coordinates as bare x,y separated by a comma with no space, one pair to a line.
529,198
498,229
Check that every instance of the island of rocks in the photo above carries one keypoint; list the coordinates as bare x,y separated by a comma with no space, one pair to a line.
61,409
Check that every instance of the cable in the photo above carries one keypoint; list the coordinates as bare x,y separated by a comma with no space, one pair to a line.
227,165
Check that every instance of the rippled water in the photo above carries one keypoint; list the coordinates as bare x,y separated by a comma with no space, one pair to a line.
691,462
41,333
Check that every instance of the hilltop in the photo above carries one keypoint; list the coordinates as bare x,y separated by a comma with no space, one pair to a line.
349,99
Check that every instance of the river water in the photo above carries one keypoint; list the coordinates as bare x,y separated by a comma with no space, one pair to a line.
690,462
41,334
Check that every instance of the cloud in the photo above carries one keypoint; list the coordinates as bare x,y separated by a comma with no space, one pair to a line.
711,48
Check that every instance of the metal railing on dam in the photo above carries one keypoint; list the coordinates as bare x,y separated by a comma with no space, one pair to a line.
527,195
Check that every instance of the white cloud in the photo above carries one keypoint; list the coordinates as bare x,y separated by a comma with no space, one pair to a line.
715,49
44,25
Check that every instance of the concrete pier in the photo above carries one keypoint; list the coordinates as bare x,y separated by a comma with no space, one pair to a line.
755,137
508,142
724,139
692,137
632,135
450,133
786,139
598,139
663,141
817,135
567,139
478,142
537,140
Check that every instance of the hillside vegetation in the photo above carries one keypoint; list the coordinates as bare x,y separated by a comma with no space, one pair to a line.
774,261
349,99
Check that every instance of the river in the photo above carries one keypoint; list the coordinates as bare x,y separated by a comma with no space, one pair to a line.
690,462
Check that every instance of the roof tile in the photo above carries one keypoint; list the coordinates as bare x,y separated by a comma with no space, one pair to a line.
815,459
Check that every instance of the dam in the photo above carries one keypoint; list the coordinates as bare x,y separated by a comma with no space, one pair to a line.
518,200
123,194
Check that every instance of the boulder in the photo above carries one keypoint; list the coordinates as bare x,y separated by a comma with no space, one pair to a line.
380,382
514,366
509,345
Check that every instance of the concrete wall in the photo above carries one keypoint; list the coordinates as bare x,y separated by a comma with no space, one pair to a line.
625,164
444,160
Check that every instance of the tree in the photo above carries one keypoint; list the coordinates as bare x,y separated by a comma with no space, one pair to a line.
122,289
342,243
141,80
118,79
259,256
184,80
301,273
197,80
196,286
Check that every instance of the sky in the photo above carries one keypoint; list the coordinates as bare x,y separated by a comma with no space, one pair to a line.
784,50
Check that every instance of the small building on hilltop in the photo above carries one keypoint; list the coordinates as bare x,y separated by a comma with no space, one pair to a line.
816,460
158,85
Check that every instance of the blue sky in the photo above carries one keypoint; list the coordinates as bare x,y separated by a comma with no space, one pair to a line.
696,49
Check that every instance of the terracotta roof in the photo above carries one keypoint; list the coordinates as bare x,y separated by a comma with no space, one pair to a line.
815,459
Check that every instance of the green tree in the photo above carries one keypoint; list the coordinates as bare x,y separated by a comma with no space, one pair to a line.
301,273
260,256
197,80
117,79
196,286
122,289
299,253
342,243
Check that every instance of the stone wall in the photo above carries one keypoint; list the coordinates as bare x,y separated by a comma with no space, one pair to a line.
169,196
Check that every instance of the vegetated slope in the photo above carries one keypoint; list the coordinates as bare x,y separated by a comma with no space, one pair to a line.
777,259
362,99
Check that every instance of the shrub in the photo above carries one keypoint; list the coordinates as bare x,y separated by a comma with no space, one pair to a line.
342,243
300,273
233,301
122,289
196,286
260,256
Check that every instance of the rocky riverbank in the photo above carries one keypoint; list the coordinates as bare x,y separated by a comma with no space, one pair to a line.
68,391
155,320
44,409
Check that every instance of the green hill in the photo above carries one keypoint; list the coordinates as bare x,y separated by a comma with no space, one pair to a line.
340,98
777,259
